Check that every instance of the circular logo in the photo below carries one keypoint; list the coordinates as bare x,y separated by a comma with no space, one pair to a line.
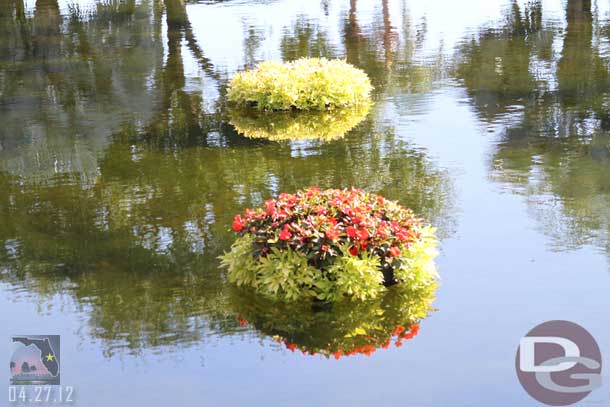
559,363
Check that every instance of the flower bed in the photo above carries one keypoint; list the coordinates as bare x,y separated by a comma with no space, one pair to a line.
304,84
280,126
328,245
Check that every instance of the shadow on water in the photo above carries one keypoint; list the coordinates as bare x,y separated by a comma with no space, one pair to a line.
118,182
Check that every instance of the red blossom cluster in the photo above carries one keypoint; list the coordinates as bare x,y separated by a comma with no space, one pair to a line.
317,222
366,349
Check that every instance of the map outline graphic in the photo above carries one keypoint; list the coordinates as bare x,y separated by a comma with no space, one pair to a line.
35,360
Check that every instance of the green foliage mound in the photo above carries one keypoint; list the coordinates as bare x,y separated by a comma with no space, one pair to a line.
304,84
329,245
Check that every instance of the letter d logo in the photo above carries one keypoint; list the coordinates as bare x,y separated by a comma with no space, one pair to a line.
527,349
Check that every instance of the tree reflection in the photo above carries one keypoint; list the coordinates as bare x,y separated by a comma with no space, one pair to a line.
70,81
387,54
556,148
139,246
64,82
117,183
306,39
495,66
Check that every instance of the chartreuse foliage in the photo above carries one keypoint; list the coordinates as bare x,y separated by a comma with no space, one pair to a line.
279,126
330,245
304,84
416,267
344,328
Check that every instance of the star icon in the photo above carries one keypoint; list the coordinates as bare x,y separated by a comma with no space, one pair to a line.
50,357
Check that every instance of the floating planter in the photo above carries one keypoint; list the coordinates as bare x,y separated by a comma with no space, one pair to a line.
282,126
343,329
304,84
329,245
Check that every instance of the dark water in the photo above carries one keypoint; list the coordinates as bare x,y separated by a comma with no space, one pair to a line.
120,174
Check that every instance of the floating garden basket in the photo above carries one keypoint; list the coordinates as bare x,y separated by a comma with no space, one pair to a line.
330,245
304,84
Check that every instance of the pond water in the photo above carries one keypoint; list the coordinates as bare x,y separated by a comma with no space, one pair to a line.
120,173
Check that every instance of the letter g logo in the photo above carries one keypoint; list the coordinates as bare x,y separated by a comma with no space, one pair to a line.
559,363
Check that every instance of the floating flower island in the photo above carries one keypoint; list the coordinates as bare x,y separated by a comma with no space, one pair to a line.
304,84
330,245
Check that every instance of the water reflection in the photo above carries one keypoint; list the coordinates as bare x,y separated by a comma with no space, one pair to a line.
119,178
306,39
495,66
280,126
67,83
553,100
343,329
389,54
139,245
120,173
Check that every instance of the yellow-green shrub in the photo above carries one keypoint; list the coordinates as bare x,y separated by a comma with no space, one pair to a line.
304,84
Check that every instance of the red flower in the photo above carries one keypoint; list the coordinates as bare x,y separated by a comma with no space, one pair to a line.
351,232
270,206
382,233
398,343
337,354
250,213
403,235
238,223
332,234
386,344
362,234
312,191
398,330
242,322
324,248
394,251
285,233
353,251
291,346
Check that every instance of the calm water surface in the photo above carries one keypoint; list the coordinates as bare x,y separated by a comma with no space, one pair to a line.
120,172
